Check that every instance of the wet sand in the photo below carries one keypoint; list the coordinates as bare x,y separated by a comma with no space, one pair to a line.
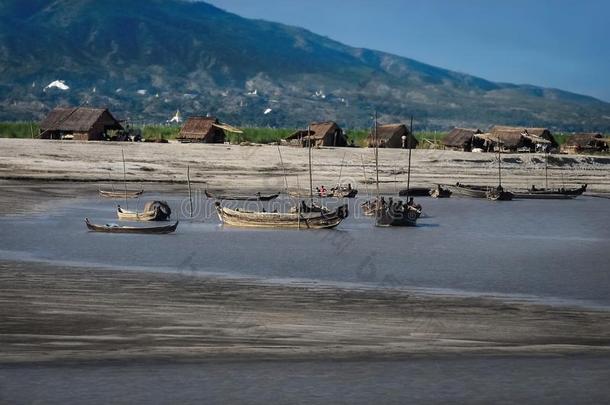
50,313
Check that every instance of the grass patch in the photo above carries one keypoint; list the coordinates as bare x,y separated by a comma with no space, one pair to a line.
19,130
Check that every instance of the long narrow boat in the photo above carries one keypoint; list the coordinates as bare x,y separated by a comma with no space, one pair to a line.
564,191
121,194
113,228
542,196
256,197
415,192
310,220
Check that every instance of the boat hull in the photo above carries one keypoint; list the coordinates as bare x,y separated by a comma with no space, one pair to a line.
469,191
313,220
257,197
131,229
121,194
543,196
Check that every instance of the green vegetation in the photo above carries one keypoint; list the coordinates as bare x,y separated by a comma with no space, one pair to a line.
160,132
18,130
426,140
260,135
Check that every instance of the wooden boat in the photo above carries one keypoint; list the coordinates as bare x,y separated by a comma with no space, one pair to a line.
498,194
153,211
256,197
113,228
121,194
312,220
403,215
342,192
542,196
563,191
415,192
440,192
308,208
467,190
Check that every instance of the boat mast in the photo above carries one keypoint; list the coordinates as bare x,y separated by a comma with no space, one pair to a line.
409,164
125,178
499,165
376,157
310,174
546,171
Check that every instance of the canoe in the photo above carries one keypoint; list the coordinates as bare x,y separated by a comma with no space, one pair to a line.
311,220
565,191
256,197
153,211
121,194
113,228
415,192
542,196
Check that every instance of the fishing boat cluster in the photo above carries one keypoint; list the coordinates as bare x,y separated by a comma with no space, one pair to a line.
390,212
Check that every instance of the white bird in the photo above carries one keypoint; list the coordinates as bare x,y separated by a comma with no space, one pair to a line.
58,84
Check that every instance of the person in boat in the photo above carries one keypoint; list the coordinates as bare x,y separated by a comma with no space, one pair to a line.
349,186
322,191
411,203
533,187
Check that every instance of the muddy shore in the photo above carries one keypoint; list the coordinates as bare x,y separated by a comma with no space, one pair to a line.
51,313
258,167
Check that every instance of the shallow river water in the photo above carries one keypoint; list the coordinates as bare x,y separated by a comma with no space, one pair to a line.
555,251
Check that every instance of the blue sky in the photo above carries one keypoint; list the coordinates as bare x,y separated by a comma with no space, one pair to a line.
552,43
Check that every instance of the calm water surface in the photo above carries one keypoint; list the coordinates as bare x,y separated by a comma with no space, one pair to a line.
514,380
543,249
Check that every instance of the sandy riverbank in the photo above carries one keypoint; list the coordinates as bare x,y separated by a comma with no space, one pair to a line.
259,168
52,313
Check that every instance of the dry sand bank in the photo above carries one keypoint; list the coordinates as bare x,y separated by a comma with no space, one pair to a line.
52,313
258,167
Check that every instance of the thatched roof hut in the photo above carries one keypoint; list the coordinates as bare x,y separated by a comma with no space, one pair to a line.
320,134
522,139
391,136
202,129
82,123
586,142
462,139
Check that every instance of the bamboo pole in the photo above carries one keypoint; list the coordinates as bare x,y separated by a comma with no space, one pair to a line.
125,177
188,180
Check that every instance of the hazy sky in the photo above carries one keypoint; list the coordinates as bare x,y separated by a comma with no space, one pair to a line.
552,43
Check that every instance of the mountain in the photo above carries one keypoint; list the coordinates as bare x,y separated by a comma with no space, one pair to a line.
144,59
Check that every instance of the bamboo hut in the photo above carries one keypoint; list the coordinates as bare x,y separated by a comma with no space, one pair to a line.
205,130
586,142
79,123
515,139
393,136
463,139
320,134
